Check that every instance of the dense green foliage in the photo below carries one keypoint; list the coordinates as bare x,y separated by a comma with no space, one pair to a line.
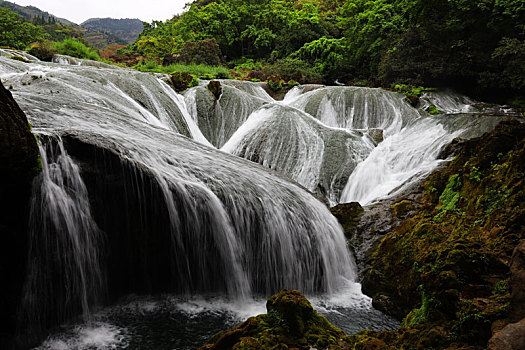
75,48
473,46
15,33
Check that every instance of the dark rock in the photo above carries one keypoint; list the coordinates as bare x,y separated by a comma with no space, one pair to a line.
348,215
19,163
215,88
376,135
517,283
401,208
385,304
512,337
181,81
379,219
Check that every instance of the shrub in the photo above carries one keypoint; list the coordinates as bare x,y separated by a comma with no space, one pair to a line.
201,52
43,50
73,47
291,69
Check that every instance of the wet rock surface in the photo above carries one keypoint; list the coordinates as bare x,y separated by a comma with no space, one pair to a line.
365,227
512,337
18,165
449,262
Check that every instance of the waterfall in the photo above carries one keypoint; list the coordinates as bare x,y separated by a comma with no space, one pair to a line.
175,215
412,138
136,197
64,268
219,119
357,108
293,143
397,162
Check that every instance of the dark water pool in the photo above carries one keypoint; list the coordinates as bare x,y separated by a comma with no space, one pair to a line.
173,322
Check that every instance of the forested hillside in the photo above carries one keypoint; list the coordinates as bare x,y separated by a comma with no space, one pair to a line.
126,29
30,12
41,25
474,46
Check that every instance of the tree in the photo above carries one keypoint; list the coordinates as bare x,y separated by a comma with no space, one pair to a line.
15,33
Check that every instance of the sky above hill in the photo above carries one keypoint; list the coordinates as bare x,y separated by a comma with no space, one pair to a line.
80,10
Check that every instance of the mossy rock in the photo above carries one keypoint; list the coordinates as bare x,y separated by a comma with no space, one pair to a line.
181,81
401,209
348,215
432,110
215,88
291,322
457,245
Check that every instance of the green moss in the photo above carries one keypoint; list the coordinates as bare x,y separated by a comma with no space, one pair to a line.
501,287
19,58
495,199
400,209
433,110
418,316
275,86
475,174
450,196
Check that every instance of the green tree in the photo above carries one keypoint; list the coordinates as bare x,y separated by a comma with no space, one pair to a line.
15,33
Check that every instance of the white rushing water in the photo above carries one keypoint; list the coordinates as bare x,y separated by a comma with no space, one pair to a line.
235,227
63,236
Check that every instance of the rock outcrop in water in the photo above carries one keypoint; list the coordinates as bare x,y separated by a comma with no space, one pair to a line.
291,322
18,165
446,269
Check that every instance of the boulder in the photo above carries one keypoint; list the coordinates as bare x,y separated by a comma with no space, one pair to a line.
291,322
348,215
215,88
512,337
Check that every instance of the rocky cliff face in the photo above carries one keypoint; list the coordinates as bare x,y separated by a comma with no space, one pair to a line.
447,269
19,163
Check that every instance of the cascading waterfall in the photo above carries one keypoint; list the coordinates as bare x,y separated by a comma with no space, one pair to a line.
293,143
357,108
233,227
398,162
412,138
64,270
219,119
129,169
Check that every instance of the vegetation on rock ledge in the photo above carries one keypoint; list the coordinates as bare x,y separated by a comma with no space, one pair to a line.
454,254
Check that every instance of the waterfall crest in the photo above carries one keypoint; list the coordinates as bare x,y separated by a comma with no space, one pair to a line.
357,108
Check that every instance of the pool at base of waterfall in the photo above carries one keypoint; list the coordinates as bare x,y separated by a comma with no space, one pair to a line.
175,322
